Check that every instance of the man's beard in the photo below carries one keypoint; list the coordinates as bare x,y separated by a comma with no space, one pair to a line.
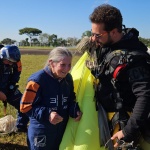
108,43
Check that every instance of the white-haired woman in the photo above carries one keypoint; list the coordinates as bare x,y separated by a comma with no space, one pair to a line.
49,100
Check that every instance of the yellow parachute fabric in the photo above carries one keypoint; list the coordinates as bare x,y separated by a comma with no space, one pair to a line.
83,135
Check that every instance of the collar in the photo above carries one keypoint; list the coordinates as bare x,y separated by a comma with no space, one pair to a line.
49,72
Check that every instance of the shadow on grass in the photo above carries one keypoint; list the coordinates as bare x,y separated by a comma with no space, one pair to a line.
9,146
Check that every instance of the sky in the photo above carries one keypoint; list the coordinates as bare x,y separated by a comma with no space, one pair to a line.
66,18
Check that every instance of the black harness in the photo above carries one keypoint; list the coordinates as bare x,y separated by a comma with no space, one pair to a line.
114,63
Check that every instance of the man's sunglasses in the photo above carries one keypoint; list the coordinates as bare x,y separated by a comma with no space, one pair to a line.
98,35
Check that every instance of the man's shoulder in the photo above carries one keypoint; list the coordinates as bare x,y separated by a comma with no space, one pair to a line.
127,54
124,58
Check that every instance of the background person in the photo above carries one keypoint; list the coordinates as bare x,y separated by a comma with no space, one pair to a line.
10,70
4,102
48,100
128,88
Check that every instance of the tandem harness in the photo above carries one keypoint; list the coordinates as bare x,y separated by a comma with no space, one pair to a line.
121,116
123,59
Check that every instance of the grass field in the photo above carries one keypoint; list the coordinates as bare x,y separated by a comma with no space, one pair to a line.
31,64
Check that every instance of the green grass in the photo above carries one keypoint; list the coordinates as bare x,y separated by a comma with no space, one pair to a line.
42,47
30,64
35,47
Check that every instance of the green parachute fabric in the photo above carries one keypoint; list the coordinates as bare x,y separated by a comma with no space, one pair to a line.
83,135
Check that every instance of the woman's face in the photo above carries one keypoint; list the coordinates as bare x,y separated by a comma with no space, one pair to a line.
60,69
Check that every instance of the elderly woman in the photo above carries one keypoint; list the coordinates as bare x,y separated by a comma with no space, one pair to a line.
49,100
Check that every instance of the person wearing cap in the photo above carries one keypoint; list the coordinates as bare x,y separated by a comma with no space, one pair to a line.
4,102
10,70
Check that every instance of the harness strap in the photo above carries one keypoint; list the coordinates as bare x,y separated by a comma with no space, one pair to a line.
118,69
120,118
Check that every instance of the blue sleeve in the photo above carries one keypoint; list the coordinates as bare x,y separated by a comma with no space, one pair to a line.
31,102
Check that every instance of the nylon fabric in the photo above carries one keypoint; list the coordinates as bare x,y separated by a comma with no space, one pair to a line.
83,135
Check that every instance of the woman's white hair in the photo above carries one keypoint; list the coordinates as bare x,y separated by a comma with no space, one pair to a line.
57,54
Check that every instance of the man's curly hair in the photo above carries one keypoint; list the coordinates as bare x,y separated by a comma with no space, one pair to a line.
109,15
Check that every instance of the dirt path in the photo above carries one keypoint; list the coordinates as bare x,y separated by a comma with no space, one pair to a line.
41,52
34,52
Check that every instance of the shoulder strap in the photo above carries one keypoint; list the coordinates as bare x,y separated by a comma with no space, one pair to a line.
118,69
119,59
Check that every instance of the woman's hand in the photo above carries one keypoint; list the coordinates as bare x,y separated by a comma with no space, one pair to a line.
55,118
119,135
2,96
79,115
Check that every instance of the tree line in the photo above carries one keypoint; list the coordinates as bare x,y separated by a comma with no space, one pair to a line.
37,38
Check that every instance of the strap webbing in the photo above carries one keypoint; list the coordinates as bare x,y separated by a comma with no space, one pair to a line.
117,70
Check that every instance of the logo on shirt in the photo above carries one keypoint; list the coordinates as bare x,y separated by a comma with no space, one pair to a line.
40,141
55,102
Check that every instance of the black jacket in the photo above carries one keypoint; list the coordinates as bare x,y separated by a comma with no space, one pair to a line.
133,83
9,75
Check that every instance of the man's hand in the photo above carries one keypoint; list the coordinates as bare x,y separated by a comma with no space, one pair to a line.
119,135
55,118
